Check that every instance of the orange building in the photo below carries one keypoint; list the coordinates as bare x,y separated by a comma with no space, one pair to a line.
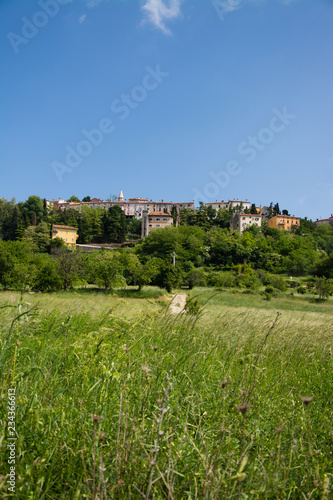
284,222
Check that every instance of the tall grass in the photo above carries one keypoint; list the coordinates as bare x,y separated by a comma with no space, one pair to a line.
167,406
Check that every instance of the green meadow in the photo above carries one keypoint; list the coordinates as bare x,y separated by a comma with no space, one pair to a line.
117,398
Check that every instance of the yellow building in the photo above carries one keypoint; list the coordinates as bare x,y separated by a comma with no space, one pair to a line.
284,222
67,234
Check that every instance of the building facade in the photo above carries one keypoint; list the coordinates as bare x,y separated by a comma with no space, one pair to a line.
133,207
154,220
284,222
67,234
320,222
235,204
240,221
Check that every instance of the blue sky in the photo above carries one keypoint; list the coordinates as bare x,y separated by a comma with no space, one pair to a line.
173,100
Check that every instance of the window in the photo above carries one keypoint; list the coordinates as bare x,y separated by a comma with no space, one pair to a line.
66,239
157,225
243,218
157,219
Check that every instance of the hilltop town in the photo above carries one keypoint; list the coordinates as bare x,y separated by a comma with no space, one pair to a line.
159,214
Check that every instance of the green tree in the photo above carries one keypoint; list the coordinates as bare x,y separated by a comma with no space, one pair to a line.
86,198
253,209
39,236
168,276
107,269
33,210
276,209
115,225
174,214
67,266
47,275
138,273
324,287
73,199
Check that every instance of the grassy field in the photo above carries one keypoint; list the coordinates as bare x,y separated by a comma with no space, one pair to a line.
116,398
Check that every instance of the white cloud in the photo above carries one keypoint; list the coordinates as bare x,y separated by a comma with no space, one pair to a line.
225,7
157,13
93,3
82,18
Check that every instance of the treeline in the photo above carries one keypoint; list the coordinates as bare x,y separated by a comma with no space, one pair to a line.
94,225
203,244
216,257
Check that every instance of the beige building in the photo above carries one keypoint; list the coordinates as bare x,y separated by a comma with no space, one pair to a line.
319,222
67,234
284,222
154,220
229,204
133,207
240,221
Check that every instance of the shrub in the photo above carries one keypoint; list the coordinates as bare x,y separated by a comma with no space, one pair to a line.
276,281
225,280
301,290
270,290
192,306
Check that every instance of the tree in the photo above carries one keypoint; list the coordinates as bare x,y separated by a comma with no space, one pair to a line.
324,287
86,198
253,209
39,236
133,227
285,212
174,214
324,268
276,209
66,261
168,276
107,269
33,210
140,274
115,225
73,199
47,276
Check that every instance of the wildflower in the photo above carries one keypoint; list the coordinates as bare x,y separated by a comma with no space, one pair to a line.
145,368
306,399
243,408
96,418
102,436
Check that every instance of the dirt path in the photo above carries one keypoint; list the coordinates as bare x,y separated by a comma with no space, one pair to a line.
178,303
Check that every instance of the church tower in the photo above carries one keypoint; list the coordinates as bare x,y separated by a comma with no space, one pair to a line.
121,196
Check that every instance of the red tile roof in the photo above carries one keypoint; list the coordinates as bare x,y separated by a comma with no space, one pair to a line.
64,227
160,214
